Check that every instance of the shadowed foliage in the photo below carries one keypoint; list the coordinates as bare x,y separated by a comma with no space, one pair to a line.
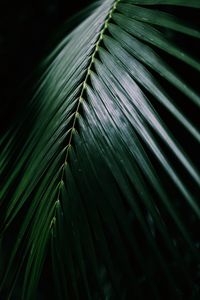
100,183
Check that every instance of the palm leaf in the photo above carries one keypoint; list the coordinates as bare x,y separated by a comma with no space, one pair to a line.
94,175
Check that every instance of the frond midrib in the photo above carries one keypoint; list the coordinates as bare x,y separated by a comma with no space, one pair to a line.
80,98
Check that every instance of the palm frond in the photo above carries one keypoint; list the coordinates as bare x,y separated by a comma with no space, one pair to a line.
94,175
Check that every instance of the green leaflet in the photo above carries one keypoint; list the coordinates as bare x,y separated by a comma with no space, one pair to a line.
157,18
192,3
153,36
102,179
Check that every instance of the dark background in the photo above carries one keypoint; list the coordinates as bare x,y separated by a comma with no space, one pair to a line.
26,31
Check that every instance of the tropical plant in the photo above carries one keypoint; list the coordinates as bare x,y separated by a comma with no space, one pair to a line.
99,189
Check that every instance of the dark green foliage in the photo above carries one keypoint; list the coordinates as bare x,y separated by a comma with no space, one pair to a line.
99,185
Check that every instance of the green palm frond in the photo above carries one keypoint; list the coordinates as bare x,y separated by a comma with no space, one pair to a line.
94,175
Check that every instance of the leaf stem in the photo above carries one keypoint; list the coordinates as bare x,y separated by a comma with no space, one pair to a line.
80,99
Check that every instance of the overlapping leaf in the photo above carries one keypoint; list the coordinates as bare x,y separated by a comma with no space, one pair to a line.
101,175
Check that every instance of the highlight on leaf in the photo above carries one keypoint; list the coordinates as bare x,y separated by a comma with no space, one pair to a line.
102,191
